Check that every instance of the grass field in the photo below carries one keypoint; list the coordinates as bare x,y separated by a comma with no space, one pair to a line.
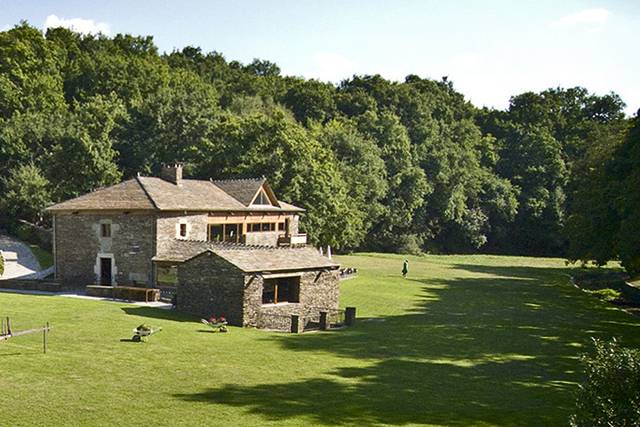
465,340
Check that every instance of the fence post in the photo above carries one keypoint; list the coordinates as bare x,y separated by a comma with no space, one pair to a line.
295,323
44,337
350,316
324,321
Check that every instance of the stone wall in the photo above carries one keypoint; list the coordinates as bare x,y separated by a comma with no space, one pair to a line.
209,285
78,245
294,225
318,290
168,225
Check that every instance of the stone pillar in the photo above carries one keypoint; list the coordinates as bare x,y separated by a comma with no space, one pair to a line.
350,316
324,321
295,324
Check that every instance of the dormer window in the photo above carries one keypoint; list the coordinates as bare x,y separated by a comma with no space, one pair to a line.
105,230
262,199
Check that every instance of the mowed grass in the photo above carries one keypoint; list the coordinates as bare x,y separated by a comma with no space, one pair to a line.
465,340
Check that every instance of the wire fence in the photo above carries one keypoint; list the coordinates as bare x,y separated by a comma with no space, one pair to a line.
167,293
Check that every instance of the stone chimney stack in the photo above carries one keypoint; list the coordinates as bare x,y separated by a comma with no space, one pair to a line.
172,172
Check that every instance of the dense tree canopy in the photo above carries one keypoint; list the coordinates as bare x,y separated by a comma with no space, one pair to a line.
381,165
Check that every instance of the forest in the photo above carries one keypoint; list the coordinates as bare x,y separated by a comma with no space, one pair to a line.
379,165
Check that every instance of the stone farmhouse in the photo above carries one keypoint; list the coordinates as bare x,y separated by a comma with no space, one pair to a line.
228,247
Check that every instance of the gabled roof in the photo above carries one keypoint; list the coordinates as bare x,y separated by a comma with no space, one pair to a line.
128,195
151,193
248,258
243,190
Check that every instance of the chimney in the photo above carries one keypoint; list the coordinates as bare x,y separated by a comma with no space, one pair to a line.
172,172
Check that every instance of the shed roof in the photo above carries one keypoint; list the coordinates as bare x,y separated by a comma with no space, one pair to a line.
248,258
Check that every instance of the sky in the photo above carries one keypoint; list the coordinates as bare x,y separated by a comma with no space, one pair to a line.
490,49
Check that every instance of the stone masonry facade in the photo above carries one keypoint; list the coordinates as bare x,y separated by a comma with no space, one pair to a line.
168,227
318,290
209,285
79,245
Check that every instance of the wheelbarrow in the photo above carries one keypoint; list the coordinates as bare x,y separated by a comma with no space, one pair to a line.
143,331
218,325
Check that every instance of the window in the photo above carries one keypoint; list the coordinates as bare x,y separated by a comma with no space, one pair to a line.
183,230
105,230
262,199
216,232
261,226
281,290
281,226
231,232
225,232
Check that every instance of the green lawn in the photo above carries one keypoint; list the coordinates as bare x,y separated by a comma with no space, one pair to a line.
465,340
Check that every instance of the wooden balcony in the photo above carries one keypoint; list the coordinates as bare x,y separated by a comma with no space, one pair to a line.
292,240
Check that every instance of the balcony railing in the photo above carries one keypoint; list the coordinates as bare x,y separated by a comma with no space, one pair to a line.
292,240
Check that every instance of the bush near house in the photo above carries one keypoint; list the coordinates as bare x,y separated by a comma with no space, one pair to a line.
610,396
1,264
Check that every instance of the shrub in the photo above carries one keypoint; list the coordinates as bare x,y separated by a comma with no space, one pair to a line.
610,395
1,264
607,294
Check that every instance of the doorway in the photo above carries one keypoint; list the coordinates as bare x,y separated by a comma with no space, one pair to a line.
105,271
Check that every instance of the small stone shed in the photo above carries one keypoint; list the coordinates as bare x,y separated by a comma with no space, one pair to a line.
255,286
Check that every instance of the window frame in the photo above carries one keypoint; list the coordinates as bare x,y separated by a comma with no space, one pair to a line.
238,232
105,230
261,227
262,199
285,290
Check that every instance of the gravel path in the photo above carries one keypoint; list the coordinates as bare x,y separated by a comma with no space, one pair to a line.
19,261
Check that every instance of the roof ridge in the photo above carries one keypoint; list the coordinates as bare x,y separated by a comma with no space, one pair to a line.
238,179
146,193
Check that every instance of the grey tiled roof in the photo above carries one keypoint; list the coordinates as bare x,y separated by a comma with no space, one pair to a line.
191,194
242,190
248,258
151,193
128,195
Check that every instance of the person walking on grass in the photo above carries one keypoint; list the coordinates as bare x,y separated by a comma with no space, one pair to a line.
405,268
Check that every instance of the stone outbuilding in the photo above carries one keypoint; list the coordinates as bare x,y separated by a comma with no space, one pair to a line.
253,285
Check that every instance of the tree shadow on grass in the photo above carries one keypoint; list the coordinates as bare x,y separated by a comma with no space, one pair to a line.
500,347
